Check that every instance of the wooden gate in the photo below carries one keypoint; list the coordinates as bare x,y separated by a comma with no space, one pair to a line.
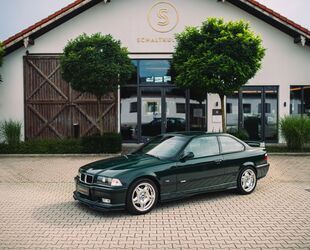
52,107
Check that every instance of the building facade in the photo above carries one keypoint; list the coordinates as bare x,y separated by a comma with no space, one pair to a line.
34,93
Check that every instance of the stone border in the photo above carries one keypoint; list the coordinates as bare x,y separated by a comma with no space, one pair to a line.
289,153
58,155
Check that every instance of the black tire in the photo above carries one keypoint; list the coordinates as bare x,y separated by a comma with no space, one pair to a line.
242,187
151,194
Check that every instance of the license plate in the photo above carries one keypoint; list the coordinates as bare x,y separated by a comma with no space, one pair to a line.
82,190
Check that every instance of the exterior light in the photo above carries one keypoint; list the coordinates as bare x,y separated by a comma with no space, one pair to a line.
105,200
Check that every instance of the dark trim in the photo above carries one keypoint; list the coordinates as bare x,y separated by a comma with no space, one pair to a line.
25,98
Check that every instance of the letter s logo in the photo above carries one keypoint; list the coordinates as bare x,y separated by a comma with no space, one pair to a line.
162,15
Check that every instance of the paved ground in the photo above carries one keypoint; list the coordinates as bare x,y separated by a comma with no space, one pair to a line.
37,211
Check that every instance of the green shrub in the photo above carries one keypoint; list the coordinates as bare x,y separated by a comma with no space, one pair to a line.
11,131
242,134
43,146
107,143
296,131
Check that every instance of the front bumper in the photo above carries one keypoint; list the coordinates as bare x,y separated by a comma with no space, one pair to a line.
96,193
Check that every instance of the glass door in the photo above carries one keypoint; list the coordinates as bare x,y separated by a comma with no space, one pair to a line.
175,110
260,112
270,114
252,113
152,115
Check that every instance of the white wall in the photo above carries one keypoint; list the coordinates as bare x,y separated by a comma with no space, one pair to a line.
285,63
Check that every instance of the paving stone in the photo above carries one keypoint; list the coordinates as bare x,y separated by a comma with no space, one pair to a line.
37,211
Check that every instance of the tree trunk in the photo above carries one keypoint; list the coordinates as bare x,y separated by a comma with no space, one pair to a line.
99,114
223,113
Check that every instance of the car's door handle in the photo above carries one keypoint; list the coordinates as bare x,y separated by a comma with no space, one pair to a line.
218,161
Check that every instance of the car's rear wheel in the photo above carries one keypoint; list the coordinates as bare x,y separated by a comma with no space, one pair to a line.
142,196
247,181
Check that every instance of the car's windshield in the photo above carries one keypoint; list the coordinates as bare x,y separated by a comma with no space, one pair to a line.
163,146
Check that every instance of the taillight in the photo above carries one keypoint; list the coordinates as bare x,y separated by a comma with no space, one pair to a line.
266,157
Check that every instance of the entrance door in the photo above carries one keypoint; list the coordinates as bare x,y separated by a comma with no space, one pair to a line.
260,112
163,109
152,115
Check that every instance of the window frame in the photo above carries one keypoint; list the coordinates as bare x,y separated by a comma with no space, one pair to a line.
302,100
220,145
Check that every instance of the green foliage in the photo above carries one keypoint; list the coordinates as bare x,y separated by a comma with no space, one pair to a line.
284,149
11,131
1,57
241,133
95,64
107,143
296,131
217,57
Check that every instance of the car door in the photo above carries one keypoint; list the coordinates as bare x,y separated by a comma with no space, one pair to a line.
203,170
233,158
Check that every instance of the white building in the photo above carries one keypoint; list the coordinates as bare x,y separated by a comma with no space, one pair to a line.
34,93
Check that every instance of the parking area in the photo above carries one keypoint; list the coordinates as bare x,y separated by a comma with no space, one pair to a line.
37,211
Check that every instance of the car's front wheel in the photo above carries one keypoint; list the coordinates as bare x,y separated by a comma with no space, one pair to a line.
142,196
247,181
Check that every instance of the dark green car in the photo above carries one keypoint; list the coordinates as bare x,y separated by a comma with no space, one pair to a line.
168,167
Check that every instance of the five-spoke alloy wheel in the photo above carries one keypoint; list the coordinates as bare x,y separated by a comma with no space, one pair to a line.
247,181
142,196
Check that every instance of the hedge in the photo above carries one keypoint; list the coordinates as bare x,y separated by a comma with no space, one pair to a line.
107,143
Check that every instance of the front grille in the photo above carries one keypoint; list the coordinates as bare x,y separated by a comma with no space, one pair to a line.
87,178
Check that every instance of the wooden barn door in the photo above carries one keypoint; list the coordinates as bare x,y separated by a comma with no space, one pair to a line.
52,107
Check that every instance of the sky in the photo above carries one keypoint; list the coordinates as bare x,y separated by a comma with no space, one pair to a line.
16,15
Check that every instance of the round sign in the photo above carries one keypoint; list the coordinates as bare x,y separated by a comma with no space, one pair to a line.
163,17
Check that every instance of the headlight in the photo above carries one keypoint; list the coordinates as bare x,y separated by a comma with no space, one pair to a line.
113,182
79,174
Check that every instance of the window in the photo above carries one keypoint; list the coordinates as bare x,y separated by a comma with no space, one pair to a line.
267,108
152,107
300,100
246,108
180,107
228,108
203,146
154,72
133,107
230,145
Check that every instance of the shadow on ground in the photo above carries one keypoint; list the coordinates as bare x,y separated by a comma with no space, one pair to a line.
74,214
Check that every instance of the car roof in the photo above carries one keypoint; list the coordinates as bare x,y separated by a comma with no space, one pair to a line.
194,133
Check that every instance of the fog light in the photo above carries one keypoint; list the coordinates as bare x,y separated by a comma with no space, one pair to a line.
104,200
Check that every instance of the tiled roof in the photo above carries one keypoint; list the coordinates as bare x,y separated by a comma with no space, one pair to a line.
79,3
279,16
43,21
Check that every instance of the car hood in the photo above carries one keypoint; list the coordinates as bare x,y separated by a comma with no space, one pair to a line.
113,166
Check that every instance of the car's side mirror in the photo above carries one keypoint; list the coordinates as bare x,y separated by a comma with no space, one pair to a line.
187,156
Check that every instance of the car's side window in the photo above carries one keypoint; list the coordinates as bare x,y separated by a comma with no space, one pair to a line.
203,146
230,145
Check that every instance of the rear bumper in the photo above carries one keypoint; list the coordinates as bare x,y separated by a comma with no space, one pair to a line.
94,199
262,170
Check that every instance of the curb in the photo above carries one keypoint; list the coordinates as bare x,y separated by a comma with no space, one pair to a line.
289,153
111,155
58,155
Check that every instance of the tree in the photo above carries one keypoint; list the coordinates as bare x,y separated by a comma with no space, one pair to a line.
95,64
217,57
1,57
